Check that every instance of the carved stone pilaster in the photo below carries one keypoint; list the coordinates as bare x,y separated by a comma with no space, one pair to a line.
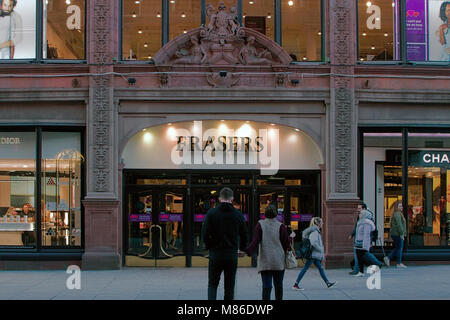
101,120
102,208
342,120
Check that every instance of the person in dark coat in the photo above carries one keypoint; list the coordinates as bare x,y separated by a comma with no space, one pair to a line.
224,233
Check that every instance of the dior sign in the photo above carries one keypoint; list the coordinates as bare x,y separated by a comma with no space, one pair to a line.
9,140
229,147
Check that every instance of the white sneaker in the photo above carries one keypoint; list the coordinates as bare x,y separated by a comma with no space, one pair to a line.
386,261
401,265
359,274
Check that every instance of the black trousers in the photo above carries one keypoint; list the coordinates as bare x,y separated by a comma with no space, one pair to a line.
360,255
215,269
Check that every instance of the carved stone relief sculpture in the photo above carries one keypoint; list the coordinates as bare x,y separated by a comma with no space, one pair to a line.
222,42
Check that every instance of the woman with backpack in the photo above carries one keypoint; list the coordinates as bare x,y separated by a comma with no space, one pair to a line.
272,238
313,234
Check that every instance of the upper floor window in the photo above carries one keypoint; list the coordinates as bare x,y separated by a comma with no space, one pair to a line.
421,31
150,24
62,29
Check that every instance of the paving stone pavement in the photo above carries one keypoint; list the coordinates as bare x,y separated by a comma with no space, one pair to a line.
415,282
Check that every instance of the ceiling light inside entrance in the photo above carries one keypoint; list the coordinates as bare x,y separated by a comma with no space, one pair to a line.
291,3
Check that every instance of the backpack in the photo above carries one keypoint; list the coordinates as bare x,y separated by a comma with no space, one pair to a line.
306,249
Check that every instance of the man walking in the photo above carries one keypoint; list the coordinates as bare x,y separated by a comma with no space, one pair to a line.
224,232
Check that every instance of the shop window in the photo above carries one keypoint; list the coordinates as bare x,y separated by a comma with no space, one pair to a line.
302,29
141,30
427,30
425,27
63,29
428,189
382,177
184,15
378,31
61,189
17,189
259,15
18,29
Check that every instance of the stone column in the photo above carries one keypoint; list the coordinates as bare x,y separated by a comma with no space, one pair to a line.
342,127
102,206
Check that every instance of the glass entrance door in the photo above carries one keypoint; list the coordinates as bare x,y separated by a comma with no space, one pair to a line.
155,219
303,206
205,199
272,196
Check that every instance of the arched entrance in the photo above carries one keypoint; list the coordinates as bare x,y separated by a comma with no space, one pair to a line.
173,174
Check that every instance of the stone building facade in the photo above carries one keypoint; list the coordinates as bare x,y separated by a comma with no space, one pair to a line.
221,71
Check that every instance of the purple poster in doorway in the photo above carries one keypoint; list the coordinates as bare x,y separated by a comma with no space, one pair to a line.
416,30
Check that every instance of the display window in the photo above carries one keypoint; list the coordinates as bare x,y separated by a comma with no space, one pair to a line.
55,218
428,188
423,177
61,189
425,25
62,29
18,29
17,189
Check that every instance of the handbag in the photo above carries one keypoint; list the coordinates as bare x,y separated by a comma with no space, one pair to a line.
290,261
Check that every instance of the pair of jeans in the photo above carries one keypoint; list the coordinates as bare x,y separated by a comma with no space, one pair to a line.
366,258
306,267
277,276
398,247
371,259
215,269
355,257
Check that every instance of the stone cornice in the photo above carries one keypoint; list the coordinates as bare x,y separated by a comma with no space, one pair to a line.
219,94
46,94
403,96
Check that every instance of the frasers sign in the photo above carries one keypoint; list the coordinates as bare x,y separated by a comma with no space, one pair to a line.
429,158
229,147
9,140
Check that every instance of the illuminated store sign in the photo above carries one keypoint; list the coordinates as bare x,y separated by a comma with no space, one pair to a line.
9,140
429,158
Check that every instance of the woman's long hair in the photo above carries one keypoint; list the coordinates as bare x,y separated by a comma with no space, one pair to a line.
442,11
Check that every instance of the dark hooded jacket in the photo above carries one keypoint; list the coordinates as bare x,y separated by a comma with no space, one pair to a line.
224,232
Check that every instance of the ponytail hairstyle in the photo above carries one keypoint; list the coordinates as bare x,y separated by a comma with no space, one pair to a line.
315,222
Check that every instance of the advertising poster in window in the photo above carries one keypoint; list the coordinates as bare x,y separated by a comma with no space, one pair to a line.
18,29
427,30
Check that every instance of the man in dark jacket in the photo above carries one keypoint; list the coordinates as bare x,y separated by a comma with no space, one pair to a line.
224,233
